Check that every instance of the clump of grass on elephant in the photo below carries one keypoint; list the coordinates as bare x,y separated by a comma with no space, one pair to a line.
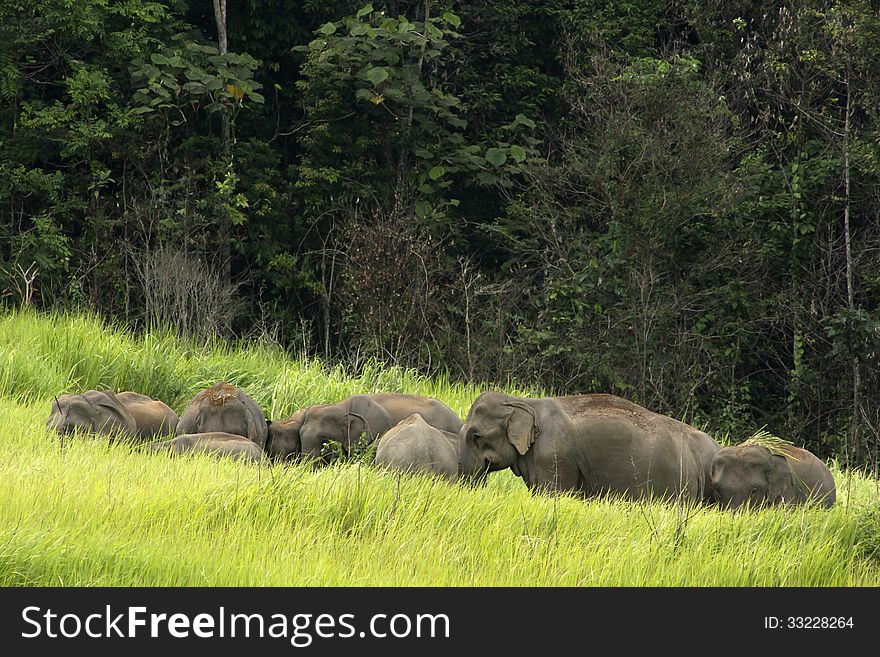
100,512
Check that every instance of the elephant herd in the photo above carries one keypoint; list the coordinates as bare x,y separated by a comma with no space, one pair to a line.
589,445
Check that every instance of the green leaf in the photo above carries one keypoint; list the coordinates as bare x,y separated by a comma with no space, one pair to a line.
327,28
522,119
363,11
423,208
436,173
160,59
518,153
433,31
363,94
452,19
496,157
376,75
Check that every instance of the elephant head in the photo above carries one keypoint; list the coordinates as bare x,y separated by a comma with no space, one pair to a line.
344,422
93,411
751,474
497,430
224,408
284,436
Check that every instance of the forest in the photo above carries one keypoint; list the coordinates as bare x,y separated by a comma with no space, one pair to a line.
676,202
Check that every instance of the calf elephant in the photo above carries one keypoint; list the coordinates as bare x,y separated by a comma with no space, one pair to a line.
753,474
413,445
368,415
215,443
590,445
227,409
152,417
94,411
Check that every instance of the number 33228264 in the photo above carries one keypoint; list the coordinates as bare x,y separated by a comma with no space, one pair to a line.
808,622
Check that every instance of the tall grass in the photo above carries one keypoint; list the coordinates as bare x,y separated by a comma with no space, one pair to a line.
99,514
41,356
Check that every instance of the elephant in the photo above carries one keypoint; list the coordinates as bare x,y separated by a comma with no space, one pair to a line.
370,415
152,417
283,441
95,411
755,474
413,445
590,445
216,443
227,409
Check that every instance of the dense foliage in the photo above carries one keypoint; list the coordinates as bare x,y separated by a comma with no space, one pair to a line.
677,202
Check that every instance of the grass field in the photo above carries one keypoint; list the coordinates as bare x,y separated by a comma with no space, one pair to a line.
95,514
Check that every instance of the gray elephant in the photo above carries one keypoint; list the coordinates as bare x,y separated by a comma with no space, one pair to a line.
589,445
152,417
413,445
94,411
754,474
215,443
370,416
227,409
284,441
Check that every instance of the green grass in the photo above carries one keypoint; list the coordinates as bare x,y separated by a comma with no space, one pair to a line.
104,515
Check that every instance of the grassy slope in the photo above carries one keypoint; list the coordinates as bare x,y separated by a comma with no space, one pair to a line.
99,515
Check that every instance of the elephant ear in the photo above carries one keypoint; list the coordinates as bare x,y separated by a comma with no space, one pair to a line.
114,412
353,435
780,477
522,427
367,411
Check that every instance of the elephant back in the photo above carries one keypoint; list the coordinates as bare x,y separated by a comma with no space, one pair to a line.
152,416
213,443
413,445
208,404
434,412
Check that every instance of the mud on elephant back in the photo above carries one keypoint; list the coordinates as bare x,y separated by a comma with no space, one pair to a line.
224,408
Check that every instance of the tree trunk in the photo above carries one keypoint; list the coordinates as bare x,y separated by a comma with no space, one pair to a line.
224,233
850,293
